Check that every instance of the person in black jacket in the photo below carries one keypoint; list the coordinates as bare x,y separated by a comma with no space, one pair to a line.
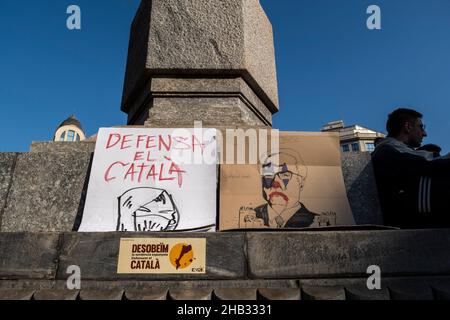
413,185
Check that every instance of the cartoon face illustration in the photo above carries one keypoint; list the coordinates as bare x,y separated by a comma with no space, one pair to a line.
283,177
147,209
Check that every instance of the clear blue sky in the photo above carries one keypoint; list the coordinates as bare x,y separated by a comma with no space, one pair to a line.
330,66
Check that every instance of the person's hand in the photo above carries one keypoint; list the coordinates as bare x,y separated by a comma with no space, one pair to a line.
246,217
152,223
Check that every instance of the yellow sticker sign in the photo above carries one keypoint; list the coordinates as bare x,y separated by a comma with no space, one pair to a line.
162,255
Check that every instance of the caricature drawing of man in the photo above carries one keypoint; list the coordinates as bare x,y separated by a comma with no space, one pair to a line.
283,177
147,209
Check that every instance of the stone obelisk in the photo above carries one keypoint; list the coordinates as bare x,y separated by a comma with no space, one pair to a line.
195,60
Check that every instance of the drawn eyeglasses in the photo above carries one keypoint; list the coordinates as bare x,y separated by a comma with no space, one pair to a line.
285,176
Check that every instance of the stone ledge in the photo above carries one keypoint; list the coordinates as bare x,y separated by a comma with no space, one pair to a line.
145,285
16,294
190,294
148,294
230,108
230,255
101,294
55,294
28,255
206,87
411,291
322,254
96,254
323,293
437,288
57,146
361,292
234,294
279,294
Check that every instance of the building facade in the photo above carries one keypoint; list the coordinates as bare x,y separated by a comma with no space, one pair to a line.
354,138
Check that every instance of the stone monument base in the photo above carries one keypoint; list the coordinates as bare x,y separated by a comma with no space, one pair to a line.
330,265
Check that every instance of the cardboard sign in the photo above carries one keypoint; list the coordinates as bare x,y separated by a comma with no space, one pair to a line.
162,256
300,185
152,180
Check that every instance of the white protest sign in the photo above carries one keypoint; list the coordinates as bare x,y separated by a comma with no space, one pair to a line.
146,179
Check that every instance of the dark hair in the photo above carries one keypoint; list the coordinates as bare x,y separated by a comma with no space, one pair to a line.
398,118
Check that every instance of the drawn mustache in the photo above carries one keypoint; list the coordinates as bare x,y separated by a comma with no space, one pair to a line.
278,194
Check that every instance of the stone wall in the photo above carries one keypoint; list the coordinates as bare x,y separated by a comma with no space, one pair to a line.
44,190
7,164
361,188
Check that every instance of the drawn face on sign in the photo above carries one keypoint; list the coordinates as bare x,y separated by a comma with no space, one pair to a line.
283,177
147,209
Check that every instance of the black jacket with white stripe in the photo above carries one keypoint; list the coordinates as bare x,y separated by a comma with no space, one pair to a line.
409,185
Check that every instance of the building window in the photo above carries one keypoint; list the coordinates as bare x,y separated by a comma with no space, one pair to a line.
370,147
345,148
78,137
355,147
63,136
70,135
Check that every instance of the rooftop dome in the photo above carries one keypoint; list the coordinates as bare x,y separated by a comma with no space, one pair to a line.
69,130
71,121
